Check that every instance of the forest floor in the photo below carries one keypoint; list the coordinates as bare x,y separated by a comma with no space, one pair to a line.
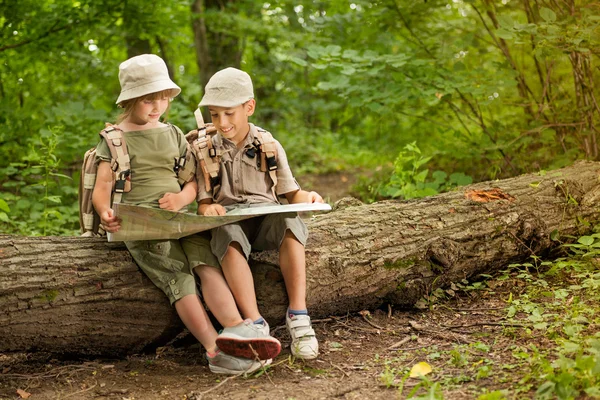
470,345
493,339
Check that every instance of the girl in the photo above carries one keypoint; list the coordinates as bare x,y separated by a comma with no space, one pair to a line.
146,91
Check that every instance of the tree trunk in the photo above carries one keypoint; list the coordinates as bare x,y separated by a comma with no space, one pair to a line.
81,295
215,50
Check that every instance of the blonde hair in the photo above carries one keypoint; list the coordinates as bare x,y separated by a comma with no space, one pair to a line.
129,105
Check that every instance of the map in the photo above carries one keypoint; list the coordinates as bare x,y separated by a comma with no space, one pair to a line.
146,223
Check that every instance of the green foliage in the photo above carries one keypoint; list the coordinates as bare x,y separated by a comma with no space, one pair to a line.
487,89
409,179
35,204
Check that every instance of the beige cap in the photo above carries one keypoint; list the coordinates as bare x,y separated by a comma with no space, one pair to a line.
229,87
144,74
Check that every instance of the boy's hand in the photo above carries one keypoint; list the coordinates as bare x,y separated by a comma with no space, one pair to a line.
171,202
314,197
211,209
110,222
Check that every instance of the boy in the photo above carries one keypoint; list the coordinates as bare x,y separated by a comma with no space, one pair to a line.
230,99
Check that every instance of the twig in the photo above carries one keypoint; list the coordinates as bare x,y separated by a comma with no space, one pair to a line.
389,311
340,369
374,325
262,364
426,346
400,343
511,324
82,391
198,396
520,241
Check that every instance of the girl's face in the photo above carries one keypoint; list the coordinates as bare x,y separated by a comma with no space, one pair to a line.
232,122
148,111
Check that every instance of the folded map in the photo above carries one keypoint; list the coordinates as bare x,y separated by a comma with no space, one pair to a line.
146,223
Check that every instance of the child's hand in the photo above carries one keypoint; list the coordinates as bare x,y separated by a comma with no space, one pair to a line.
314,197
110,222
212,210
171,202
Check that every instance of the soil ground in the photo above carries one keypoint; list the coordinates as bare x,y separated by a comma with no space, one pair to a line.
362,356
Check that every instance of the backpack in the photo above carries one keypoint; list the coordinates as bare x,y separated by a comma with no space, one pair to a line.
208,157
89,220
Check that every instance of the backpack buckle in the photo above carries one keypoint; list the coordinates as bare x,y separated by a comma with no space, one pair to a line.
178,164
271,163
212,152
121,180
251,152
215,181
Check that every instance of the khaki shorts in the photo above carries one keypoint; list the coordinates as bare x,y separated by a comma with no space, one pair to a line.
260,233
170,263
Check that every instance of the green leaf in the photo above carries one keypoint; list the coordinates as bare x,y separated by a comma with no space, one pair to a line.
504,34
4,206
61,175
53,199
586,240
547,14
4,217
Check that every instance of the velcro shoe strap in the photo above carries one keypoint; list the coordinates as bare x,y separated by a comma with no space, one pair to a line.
299,323
304,332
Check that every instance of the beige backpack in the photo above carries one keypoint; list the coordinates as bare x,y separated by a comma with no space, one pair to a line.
208,157
89,220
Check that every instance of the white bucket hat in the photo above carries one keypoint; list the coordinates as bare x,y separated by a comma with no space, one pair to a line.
229,87
144,74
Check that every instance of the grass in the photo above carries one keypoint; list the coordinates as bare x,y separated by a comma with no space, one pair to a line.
546,344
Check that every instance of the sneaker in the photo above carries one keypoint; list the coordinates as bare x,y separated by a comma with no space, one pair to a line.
304,341
244,339
223,363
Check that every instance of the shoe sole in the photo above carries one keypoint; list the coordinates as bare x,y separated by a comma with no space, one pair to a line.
241,347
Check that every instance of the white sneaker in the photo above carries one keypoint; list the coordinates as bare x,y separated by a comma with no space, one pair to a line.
304,341
248,340
223,363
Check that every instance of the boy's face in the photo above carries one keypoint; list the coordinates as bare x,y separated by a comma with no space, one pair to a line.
232,122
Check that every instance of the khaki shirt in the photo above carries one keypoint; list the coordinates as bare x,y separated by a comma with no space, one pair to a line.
242,181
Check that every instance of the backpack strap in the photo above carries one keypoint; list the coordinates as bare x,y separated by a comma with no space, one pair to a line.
185,166
208,156
119,163
268,155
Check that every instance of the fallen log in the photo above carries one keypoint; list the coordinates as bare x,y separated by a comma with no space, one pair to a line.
87,296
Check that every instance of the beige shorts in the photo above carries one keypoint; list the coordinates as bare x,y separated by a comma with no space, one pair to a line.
260,233
170,263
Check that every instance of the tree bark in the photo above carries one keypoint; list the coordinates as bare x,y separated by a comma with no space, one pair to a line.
215,50
86,296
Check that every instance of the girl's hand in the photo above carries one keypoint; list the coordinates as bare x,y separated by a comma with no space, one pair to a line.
314,197
171,202
110,222
212,210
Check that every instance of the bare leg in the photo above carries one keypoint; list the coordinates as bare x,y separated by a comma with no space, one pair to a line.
218,296
239,277
192,313
292,262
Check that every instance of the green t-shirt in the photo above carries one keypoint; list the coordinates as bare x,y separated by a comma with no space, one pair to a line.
152,153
